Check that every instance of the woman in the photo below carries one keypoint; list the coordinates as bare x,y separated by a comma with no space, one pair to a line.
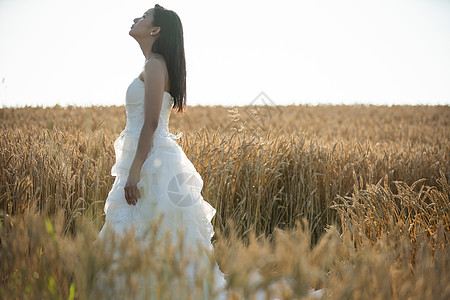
153,176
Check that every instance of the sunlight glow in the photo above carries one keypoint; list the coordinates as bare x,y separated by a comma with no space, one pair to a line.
296,52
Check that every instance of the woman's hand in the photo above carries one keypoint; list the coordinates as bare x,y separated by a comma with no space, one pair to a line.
132,193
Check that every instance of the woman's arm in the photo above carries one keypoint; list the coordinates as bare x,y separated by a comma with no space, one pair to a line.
154,92
154,77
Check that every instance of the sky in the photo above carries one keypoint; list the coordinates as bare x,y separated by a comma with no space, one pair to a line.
384,52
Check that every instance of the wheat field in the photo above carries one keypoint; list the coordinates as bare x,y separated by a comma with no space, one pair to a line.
352,200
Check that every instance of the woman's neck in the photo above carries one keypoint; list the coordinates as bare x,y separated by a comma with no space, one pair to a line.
146,47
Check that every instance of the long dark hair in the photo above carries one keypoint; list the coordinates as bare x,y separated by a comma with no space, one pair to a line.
170,45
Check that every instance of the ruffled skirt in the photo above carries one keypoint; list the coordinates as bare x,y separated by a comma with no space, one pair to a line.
170,189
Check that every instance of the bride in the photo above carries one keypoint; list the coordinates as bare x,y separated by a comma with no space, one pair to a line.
155,183
153,176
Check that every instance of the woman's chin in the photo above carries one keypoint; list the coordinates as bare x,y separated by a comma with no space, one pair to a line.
133,33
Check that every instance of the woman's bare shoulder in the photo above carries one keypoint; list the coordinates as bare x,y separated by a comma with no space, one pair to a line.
156,64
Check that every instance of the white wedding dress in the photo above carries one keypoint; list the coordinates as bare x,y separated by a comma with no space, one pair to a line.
169,184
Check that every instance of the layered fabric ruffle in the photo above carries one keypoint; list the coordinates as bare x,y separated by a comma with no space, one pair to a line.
170,187
169,184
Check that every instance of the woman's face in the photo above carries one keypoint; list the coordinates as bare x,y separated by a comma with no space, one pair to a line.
143,25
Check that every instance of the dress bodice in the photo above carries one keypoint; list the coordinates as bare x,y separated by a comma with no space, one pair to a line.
134,105
126,144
